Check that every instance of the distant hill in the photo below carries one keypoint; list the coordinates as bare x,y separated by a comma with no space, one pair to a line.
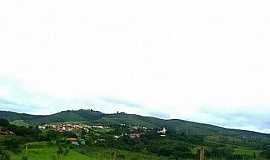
64,116
211,133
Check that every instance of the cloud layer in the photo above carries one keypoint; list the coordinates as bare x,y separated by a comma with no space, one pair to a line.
206,61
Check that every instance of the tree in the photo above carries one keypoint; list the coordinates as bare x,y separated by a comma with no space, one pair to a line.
120,157
266,153
63,150
4,155
12,144
4,122
52,135
24,157
254,155
60,152
220,152
90,140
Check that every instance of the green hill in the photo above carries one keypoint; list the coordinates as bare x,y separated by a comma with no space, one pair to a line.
211,133
65,116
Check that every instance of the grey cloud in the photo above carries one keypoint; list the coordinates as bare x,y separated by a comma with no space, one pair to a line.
7,102
237,118
8,105
160,115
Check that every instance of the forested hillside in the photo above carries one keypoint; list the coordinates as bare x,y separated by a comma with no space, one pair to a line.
209,132
124,135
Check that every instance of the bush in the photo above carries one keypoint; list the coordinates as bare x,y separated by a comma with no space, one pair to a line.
120,157
266,153
4,155
24,157
12,144
4,122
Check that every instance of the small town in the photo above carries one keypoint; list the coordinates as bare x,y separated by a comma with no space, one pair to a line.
63,127
133,132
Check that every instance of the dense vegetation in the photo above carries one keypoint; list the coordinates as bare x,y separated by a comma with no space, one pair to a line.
182,141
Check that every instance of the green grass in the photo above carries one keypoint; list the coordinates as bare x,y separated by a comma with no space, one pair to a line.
97,153
46,151
20,123
103,130
2,137
246,151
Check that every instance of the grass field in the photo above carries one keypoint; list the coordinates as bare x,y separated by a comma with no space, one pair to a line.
46,151
102,154
20,123
246,151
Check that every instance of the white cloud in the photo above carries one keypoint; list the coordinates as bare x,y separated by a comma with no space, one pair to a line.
169,56
4,92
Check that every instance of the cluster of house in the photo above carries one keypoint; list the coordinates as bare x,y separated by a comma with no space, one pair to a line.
64,127
137,132
4,131
134,132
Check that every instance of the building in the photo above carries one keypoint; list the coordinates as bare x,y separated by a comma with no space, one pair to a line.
135,135
4,131
73,141
162,131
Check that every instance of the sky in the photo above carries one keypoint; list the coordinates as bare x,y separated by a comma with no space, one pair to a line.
203,61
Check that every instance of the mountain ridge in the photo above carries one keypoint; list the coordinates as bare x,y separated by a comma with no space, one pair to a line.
89,114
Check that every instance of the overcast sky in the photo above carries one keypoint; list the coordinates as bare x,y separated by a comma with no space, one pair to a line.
205,61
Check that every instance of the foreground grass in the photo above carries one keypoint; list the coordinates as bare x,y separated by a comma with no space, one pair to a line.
46,151
246,151
97,153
